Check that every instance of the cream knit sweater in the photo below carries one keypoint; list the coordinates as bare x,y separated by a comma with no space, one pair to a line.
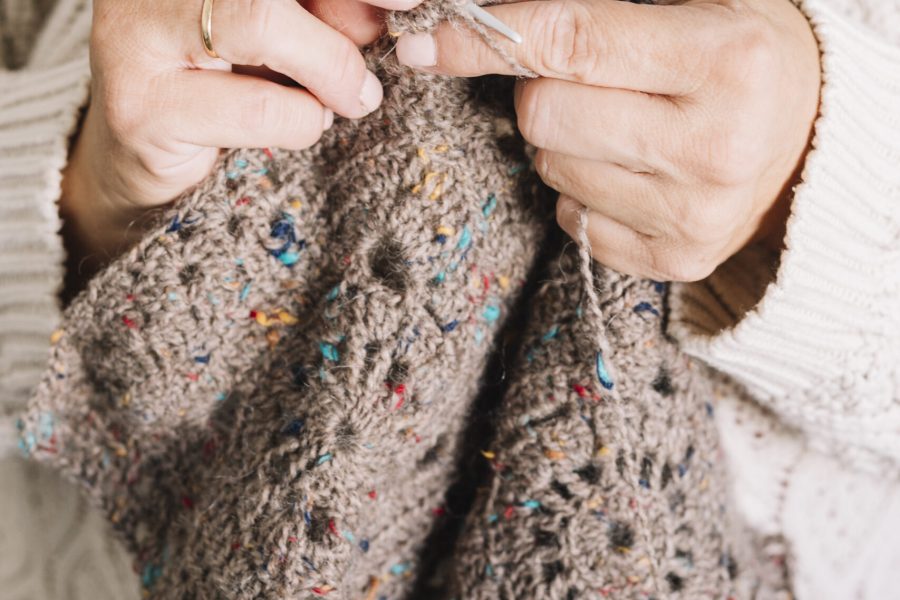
814,447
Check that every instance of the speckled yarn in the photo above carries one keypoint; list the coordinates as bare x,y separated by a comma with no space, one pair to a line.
272,395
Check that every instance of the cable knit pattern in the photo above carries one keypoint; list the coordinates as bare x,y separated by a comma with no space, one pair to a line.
838,244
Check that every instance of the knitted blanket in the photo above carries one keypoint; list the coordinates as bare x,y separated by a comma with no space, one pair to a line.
373,369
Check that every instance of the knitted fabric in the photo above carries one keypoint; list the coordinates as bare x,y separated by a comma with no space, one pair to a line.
271,395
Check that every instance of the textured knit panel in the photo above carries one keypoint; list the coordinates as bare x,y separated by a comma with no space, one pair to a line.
265,394
594,493
858,108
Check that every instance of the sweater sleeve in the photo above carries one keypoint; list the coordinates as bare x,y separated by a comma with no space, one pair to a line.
814,334
39,108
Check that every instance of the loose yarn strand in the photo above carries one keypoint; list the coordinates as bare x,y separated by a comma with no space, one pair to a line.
617,402
492,42
586,260
605,371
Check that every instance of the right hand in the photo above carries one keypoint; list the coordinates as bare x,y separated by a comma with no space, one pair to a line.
161,108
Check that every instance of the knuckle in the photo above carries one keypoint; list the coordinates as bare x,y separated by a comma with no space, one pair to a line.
562,216
256,18
565,214
543,167
345,67
571,49
546,169
707,221
112,23
103,33
259,17
122,108
727,155
747,56
680,265
725,150
758,50
263,111
534,119
305,130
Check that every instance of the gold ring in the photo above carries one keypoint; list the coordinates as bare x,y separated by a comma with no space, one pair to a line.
206,28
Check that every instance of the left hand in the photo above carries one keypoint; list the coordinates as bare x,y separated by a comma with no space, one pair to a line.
161,108
679,127
360,20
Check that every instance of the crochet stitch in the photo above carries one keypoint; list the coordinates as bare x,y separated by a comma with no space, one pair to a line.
272,394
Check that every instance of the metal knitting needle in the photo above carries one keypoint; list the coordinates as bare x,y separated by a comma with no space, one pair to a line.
489,20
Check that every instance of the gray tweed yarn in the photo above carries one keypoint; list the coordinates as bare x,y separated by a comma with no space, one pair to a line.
270,395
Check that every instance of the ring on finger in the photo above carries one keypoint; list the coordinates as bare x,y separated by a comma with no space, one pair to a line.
206,28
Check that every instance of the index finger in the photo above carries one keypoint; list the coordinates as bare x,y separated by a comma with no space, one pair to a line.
360,20
286,38
657,49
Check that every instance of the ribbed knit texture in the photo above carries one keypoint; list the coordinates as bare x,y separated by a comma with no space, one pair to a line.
841,219
38,112
816,338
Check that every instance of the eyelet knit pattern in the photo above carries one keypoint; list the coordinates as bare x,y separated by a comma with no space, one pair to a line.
269,396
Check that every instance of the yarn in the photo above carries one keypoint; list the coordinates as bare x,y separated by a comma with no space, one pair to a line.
350,306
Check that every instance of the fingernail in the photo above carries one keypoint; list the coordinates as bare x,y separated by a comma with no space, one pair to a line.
417,50
328,119
371,93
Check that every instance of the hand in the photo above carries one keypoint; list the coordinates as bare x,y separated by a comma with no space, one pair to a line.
161,108
680,128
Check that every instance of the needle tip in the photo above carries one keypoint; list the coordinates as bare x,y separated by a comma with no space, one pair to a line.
489,20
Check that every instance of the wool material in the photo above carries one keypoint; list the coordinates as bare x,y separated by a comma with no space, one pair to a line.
281,391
